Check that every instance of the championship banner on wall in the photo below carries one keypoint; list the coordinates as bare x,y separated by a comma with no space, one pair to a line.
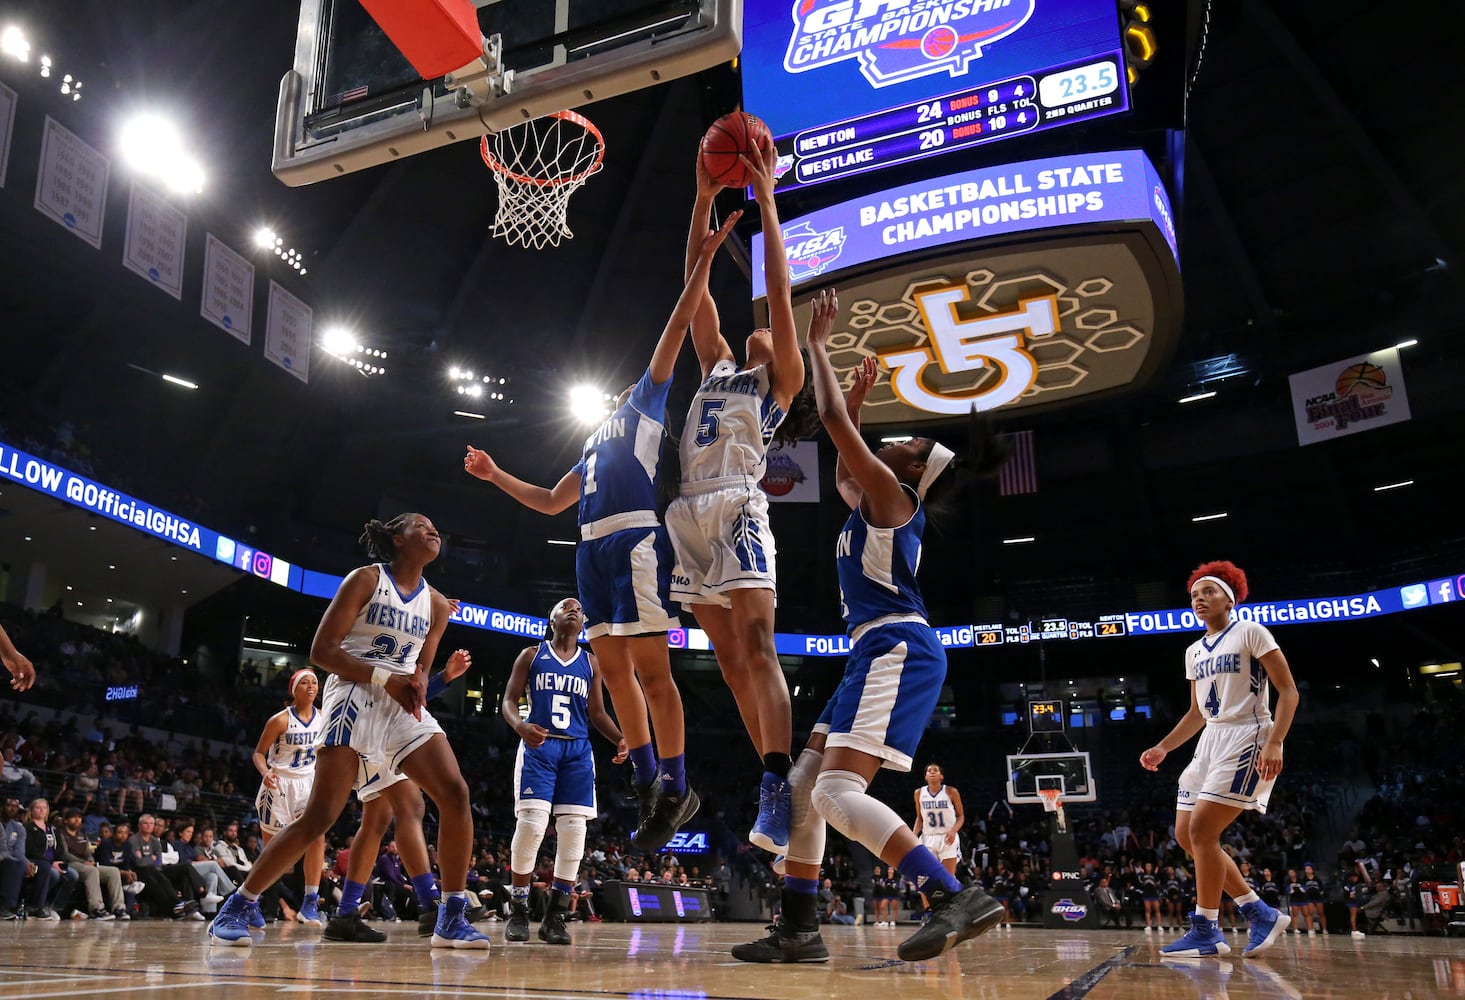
793,473
1346,397
71,186
287,333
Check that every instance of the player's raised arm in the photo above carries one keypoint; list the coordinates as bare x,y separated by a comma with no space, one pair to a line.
547,501
854,400
788,362
664,359
707,338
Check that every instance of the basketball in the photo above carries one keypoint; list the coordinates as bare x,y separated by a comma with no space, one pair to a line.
732,135
1360,376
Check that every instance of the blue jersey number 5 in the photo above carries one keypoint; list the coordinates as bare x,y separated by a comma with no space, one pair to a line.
707,422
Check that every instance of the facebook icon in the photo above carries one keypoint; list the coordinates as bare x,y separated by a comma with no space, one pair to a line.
1442,591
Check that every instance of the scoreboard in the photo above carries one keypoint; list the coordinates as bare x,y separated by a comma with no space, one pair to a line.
849,86
1107,626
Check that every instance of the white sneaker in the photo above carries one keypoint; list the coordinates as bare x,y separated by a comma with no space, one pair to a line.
196,915
1149,929
1311,932
134,888
212,899
1359,934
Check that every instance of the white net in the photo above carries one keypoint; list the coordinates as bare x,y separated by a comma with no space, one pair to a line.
537,166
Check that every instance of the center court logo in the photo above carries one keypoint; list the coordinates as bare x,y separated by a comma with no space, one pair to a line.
899,40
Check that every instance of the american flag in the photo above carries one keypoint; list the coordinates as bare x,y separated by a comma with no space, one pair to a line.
1020,472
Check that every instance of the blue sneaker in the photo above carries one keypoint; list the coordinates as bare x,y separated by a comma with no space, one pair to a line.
775,807
1264,925
1203,938
453,929
256,917
231,925
309,912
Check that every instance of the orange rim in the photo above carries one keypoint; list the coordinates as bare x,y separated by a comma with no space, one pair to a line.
493,163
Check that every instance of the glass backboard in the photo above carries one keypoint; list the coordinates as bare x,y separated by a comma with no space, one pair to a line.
1068,772
352,100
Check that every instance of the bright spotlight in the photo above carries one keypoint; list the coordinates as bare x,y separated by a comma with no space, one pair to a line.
264,237
13,44
587,404
151,145
184,175
337,340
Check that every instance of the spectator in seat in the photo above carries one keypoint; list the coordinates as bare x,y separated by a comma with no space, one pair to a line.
1110,905
157,861
54,884
13,864
19,780
102,884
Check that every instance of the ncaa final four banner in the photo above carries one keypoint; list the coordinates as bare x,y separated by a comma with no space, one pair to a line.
793,473
1345,397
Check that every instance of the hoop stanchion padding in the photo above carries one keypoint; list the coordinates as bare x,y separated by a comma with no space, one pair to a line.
537,166
436,36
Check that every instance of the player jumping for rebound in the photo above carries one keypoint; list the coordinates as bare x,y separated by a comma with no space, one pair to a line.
1231,669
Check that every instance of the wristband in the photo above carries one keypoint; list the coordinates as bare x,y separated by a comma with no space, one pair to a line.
380,676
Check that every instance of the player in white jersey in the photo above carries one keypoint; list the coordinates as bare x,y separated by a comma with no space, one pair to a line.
939,817
622,566
719,524
1231,669
285,759
378,638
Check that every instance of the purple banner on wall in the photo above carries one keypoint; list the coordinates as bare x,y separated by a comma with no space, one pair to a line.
1112,187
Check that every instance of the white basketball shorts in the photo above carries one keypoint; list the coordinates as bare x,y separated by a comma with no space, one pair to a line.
723,542
938,846
1224,768
279,807
366,719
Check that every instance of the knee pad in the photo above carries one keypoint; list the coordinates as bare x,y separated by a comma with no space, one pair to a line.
839,797
570,834
806,828
528,834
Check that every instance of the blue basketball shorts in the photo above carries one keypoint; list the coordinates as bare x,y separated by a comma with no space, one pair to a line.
557,776
890,687
624,579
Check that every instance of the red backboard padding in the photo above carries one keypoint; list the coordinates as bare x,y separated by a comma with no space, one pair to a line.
436,36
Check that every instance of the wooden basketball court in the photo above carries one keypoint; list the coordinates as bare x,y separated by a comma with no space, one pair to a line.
642,962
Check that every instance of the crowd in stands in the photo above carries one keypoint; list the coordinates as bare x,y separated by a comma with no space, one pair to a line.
105,821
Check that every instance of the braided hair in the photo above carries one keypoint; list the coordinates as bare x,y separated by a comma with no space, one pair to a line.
802,419
377,536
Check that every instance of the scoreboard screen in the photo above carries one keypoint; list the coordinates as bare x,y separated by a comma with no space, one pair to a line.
848,86
1045,716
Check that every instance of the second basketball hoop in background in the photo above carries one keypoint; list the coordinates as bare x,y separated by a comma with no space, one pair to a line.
731,136
537,165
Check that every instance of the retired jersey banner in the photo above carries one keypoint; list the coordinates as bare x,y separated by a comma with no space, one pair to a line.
287,333
1345,397
793,473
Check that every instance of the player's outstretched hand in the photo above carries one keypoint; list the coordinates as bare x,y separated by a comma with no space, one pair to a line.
478,463
706,186
532,735
22,672
825,306
762,165
863,380
622,752
713,240
1151,758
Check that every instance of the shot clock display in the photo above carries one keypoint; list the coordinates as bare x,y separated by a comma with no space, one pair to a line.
1045,716
854,85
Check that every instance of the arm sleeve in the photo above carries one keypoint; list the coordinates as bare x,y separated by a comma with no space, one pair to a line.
436,686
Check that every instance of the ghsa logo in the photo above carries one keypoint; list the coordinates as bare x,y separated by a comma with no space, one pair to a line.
899,40
1069,910
784,473
810,253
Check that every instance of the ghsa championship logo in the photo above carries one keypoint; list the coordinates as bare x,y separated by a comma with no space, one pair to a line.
899,40
810,253
1069,910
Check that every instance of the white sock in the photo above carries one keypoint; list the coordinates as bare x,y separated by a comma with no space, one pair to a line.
312,890
1248,899
250,897
1212,914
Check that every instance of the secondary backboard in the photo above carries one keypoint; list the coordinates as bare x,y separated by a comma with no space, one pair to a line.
1068,772
352,100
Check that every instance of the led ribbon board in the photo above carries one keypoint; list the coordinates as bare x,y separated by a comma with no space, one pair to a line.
849,86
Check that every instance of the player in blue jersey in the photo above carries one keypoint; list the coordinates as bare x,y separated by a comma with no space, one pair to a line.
377,640
555,769
1237,759
623,567
891,682
719,523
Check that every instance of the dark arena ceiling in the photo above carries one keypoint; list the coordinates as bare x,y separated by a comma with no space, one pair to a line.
1321,217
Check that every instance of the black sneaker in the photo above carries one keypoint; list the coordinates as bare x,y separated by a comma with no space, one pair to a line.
427,921
783,945
955,917
670,812
351,928
184,908
517,929
646,799
553,930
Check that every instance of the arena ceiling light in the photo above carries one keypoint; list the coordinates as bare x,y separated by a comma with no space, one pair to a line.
179,381
13,44
338,340
153,147
1411,342
465,413
1209,517
559,541
589,404
1019,541
1394,486
895,439
1197,397
467,382
269,241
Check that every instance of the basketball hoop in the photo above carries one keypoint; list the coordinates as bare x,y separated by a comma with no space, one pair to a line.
1053,803
537,165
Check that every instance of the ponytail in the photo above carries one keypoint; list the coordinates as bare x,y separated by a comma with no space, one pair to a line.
377,536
